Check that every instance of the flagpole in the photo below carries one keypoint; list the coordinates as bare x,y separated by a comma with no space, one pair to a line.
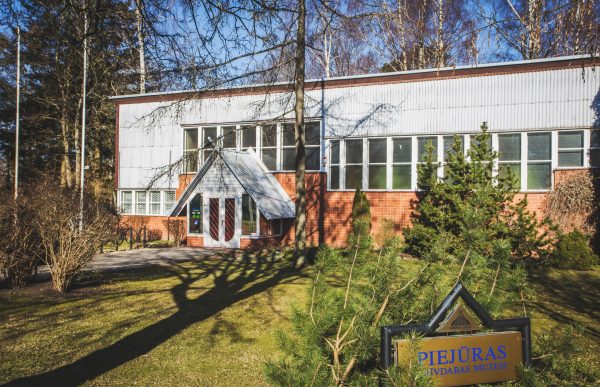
17,118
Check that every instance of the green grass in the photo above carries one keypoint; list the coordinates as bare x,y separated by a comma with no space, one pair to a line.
206,322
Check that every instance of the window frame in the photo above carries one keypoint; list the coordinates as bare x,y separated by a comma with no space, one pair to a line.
369,163
362,163
578,149
187,150
338,165
393,163
270,147
188,212
525,150
520,161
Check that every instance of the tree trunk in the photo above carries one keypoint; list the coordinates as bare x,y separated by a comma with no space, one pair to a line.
300,221
140,35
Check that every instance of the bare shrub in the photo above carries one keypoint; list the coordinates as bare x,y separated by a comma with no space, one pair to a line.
175,229
571,205
20,250
67,249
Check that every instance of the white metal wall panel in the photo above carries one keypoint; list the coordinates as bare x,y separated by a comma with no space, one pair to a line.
519,101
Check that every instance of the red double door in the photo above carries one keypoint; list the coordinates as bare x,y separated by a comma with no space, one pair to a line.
225,218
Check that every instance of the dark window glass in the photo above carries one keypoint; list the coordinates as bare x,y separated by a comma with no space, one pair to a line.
335,151
378,150
401,177
229,134
312,133
248,215
288,159
195,218
402,150
354,149
269,158
269,135
248,136
287,135
353,176
334,177
509,147
595,158
595,139
312,158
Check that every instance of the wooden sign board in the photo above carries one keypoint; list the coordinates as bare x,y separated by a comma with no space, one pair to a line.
467,359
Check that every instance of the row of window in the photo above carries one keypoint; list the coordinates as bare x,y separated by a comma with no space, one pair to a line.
391,163
274,143
146,202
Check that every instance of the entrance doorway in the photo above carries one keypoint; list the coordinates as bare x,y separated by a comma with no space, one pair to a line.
222,224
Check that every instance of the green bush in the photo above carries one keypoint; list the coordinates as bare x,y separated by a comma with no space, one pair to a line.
573,252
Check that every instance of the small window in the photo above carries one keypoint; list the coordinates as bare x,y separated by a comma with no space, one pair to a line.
126,202
312,138
169,201
570,149
154,202
377,163
401,163
509,156
423,144
248,215
334,164
269,146
594,148
354,160
190,150
140,202
539,167
229,137
195,214
248,136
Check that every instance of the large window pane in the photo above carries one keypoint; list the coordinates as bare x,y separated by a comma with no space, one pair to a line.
288,159
334,177
354,149
269,135
449,143
378,150
423,145
126,202
538,176
154,203
248,136
402,152
335,152
248,215
503,171
229,136
401,178
595,158
509,147
287,135
377,176
312,134
570,139
269,158
312,158
353,176
538,147
140,202
191,139
195,216
570,158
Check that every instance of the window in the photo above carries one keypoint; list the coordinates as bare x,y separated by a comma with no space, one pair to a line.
423,144
288,148
595,148
209,135
190,149
248,136
269,146
269,228
334,164
126,202
377,163
538,161
570,149
448,149
509,156
354,161
154,203
401,163
248,215
475,142
195,214
140,202
169,201
312,136
229,137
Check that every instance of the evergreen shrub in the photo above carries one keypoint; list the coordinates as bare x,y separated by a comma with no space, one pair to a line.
573,252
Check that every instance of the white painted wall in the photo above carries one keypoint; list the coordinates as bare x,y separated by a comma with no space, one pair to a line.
150,134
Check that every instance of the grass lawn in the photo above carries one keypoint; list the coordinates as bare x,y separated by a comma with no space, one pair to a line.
208,322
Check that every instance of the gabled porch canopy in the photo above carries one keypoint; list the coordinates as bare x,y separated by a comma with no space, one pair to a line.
270,198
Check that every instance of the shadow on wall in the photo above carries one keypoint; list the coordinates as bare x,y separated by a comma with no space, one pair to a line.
233,279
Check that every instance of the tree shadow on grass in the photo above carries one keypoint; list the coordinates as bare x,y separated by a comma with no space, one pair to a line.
233,279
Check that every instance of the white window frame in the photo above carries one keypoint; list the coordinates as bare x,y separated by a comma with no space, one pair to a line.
527,162
187,221
362,164
384,164
499,163
393,164
261,146
332,164
190,150
580,149
163,204
151,203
